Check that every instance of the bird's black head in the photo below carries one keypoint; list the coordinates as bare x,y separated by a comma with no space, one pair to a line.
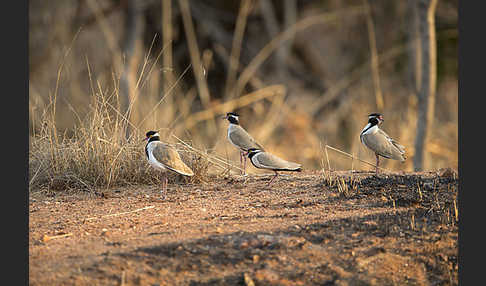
375,118
152,136
150,133
253,151
232,117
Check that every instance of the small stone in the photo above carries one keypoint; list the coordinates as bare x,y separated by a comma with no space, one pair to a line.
256,259
248,280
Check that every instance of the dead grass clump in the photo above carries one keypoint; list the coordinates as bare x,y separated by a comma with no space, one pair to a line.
97,153
199,164
94,155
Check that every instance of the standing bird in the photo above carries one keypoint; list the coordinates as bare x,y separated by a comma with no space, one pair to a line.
264,160
164,157
379,142
240,138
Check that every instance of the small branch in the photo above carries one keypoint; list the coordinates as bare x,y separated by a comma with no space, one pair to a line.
353,157
35,174
122,213
46,237
269,91
327,158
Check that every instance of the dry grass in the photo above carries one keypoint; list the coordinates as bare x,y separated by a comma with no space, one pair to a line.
78,132
97,153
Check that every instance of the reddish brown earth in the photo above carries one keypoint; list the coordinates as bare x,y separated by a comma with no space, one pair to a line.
358,229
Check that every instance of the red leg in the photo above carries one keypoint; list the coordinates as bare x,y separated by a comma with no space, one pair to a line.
164,183
273,178
377,162
241,160
244,167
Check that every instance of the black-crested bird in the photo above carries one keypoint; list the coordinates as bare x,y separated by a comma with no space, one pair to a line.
163,157
240,138
264,160
379,142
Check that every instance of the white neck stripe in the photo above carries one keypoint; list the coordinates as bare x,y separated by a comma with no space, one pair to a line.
369,129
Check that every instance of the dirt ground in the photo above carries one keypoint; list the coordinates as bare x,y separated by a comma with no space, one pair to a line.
305,229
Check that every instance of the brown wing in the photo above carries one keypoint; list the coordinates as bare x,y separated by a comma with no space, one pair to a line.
169,157
270,161
244,140
384,145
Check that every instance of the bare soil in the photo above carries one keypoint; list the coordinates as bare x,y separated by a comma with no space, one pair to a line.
353,229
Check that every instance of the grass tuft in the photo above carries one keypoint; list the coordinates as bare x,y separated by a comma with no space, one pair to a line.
98,154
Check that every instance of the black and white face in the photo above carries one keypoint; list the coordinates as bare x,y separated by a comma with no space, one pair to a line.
232,117
375,118
253,151
152,134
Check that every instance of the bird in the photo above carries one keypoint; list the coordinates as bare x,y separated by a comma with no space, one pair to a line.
265,160
240,138
379,142
163,157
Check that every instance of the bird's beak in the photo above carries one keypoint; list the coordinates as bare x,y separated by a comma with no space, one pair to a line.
145,139
224,117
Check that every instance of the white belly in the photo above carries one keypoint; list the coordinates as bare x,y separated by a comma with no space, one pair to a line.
370,131
151,159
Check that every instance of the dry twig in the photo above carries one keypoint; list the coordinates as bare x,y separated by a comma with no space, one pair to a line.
273,90
353,157
46,237
122,213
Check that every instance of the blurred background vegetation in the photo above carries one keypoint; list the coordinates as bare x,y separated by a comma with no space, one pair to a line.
301,74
